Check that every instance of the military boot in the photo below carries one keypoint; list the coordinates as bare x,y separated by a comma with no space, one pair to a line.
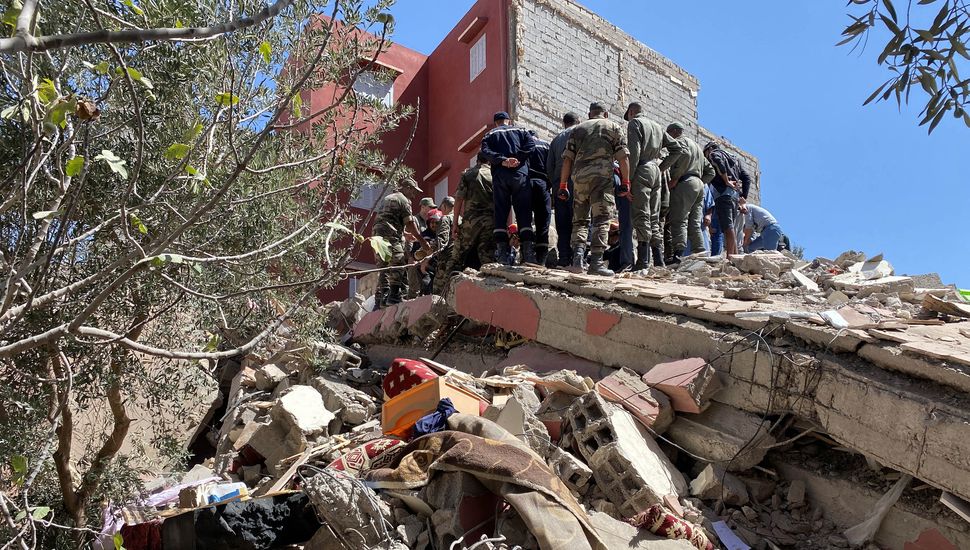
503,253
658,256
643,257
579,260
529,253
394,295
597,266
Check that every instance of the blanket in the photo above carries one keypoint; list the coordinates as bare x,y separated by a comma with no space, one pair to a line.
519,476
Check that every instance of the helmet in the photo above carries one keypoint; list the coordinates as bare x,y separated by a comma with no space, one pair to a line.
435,215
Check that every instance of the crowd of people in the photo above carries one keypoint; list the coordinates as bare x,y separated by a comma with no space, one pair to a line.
622,198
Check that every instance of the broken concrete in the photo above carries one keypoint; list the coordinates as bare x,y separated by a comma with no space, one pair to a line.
726,436
648,405
690,383
713,483
863,400
268,376
627,463
352,406
300,410
416,318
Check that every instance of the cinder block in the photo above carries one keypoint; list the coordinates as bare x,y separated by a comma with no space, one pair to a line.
571,470
628,465
689,383
648,405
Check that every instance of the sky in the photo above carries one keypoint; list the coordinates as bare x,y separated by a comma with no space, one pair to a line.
837,175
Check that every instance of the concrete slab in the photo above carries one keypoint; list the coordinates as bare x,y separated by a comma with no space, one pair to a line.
730,438
689,383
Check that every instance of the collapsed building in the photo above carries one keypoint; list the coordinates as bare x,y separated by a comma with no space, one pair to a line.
761,401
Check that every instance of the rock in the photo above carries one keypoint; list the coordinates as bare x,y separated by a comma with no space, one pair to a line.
351,405
796,493
837,298
409,530
268,376
714,483
761,490
301,408
749,513
723,435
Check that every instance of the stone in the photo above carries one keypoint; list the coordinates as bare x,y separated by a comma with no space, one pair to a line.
301,408
274,443
268,376
796,493
769,264
723,435
837,298
749,513
759,489
627,463
648,405
713,483
351,405
689,383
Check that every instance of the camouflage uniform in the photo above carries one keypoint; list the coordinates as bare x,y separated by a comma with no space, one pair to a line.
593,145
646,140
689,172
475,233
393,215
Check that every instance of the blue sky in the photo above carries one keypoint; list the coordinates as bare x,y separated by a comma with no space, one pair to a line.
837,175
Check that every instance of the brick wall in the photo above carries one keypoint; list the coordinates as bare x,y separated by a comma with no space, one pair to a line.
564,56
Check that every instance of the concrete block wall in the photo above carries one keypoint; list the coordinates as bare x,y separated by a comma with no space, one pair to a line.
564,56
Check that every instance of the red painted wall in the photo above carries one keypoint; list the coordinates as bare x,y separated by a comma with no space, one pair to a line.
459,107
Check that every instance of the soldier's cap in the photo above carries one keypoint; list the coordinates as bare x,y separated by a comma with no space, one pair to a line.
501,115
675,126
633,105
597,106
429,202
410,184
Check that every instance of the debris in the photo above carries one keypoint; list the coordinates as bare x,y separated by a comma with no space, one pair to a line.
648,405
723,435
803,280
957,504
728,538
353,511
863,533
268,376
796,493
300,409
713,483
956,309
352,406
659,521
689,383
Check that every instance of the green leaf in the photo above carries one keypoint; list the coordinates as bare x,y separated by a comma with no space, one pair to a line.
339,227
874,94
266,50
58,115
73,166
213,344
936,120
18,463
40,512
384,18
197,267
116,164
9,112
138,224
43,214
10,16
136,75
193,132
227,99
118,541
100,68
20,515
890,9
134,7
177,151
46,92
381,247
297,105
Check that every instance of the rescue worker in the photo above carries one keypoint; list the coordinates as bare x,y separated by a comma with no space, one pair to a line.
475,212
730,189
563,208
507,148
448,207
438,235
590,151
760,221
414,271
646,139
541,201
689,172
394,217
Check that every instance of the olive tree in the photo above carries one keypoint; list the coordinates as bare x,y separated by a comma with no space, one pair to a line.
169,197
926,50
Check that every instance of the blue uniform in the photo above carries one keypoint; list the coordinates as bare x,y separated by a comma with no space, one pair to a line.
541,198
564,209
510,189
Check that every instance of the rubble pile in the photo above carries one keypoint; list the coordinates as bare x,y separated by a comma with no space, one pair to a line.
631,453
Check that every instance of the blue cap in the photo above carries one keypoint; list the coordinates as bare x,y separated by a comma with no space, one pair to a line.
501,115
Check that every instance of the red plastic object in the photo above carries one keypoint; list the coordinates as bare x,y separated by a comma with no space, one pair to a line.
405,374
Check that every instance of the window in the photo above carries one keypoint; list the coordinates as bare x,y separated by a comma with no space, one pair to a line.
476,59
375,86
441,191
370,195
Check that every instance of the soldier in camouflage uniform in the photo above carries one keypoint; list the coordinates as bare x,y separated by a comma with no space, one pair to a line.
689,172
646,139
475,208
393,218
588,159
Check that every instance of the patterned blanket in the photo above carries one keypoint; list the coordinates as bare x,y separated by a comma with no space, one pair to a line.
516,474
